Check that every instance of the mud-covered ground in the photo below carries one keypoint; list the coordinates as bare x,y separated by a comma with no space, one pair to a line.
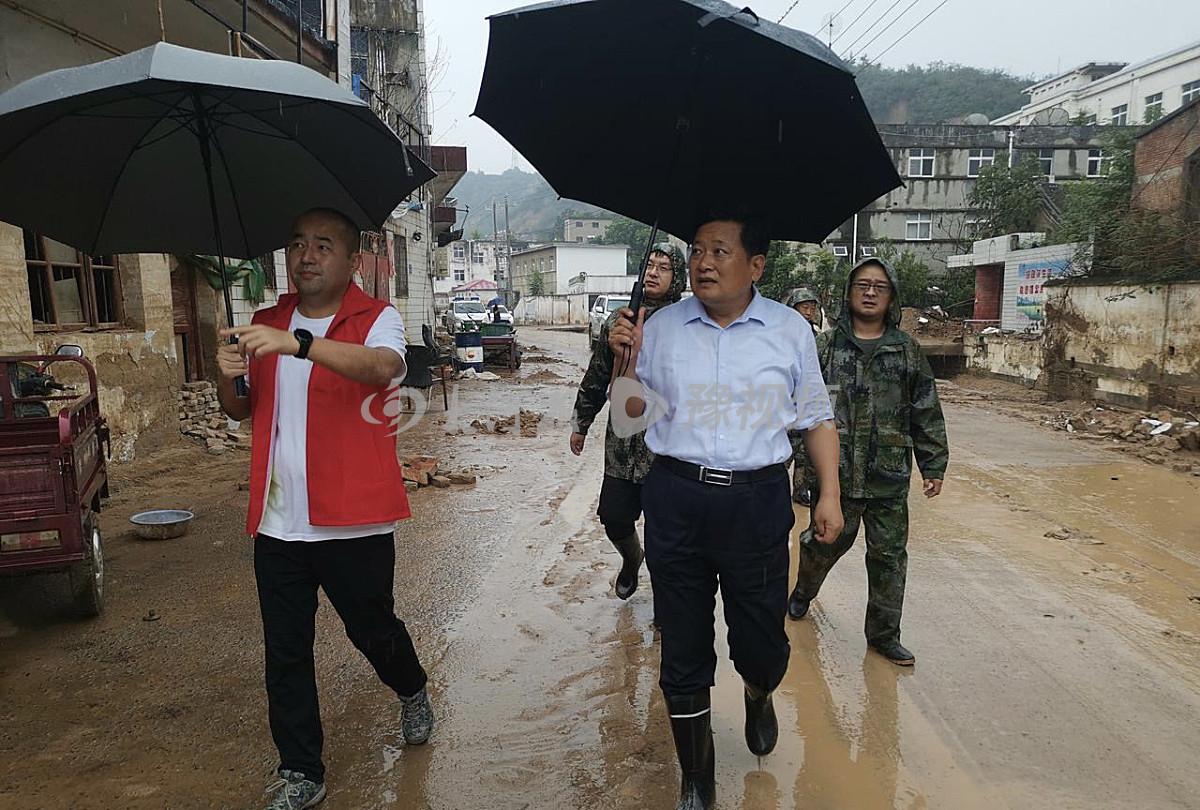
1055,672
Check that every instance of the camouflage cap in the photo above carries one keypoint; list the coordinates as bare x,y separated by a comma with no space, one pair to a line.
799,295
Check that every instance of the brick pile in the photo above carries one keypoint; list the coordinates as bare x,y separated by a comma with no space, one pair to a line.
201,418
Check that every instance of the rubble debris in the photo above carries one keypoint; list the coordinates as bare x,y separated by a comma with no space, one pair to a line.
1071,535
440,481
462,478
529,423
201,418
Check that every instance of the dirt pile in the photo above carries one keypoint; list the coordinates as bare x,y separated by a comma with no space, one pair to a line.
1160,437
930,324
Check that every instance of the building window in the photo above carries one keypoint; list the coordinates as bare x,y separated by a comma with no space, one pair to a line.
1089,120
595,225
400,265
578,224
1191,92
1153,107
68,289
460,250
460,273
578,238
477,256
1046,161
919,227
920,163
1120,116
1095,166
841,251
865,251
971,227
977,159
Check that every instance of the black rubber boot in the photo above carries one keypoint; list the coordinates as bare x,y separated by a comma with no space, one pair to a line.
895,652
691,725
762,729
798,605
631,553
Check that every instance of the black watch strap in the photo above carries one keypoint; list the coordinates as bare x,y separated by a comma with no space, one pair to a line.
305,338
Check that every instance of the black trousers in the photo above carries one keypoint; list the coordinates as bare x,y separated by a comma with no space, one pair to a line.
357,575
620,506
699,536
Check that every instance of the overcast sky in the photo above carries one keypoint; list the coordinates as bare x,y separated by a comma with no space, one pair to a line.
1026,37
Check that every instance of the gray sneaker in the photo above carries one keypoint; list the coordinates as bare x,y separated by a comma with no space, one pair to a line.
416,718
295,791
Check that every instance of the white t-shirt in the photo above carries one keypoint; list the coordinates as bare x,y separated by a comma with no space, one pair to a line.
285,515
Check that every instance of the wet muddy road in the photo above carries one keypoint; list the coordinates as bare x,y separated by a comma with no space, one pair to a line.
1053,673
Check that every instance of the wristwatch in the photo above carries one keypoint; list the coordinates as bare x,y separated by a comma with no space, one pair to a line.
306,338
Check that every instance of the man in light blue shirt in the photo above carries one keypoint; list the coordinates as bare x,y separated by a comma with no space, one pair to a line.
720,378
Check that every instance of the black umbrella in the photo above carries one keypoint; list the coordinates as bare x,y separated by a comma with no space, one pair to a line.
663,110
169,149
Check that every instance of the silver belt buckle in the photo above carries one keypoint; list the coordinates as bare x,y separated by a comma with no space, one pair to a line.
721,478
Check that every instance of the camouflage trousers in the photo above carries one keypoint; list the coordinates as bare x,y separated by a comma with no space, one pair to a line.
886,522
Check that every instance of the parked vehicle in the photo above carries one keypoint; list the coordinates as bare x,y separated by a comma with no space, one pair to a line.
605,306
53,476
465,312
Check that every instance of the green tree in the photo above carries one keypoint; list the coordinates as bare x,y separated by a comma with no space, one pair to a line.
1007,200
1094,208
779,276
537,284
911,272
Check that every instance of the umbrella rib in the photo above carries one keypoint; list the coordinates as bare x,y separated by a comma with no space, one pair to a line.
233,193
366,217
112,188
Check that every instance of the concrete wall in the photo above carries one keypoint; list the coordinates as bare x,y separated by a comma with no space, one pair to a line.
1014,357
582,230
558,310
1132,345
600,285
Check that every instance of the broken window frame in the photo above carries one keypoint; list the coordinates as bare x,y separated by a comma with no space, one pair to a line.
84,268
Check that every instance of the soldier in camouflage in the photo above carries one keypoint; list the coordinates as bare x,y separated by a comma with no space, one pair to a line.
626,461
887,410
806,302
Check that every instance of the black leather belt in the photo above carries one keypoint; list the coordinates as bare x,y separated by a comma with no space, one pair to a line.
717,476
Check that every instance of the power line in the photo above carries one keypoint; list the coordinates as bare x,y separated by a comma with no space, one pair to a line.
846,30
789,11
906,33
884,30
871,27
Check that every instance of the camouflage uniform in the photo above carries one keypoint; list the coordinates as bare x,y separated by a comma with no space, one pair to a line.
886,409
627,459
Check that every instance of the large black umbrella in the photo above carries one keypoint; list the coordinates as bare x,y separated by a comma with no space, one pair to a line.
663,110
169,149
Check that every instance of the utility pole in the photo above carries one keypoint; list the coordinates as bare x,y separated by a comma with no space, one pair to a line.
1012,138
507,249
495,243
854,242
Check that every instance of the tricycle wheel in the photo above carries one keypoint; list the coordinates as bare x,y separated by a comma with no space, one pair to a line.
87,577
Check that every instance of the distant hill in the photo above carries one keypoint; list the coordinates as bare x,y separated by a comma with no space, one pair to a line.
535,212
938,93
913,95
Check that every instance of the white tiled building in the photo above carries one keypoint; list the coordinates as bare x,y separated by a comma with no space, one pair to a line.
1114,93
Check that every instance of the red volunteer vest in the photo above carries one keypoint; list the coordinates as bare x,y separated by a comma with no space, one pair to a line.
353,473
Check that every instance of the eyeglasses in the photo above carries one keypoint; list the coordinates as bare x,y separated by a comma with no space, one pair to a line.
869,286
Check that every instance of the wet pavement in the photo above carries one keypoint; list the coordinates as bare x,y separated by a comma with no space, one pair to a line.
1053,672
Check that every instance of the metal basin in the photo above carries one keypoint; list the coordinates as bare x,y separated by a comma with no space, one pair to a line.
161,524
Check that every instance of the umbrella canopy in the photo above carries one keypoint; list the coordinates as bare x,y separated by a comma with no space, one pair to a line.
663,111
117,156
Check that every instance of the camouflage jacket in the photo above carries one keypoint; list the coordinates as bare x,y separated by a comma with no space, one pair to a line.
629,459
886,408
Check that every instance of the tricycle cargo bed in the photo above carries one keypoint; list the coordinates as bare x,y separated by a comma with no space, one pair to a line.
31,484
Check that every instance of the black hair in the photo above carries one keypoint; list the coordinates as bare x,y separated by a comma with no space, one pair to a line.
756,230
347,226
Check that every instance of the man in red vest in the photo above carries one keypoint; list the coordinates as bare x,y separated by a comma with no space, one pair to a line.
325,488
